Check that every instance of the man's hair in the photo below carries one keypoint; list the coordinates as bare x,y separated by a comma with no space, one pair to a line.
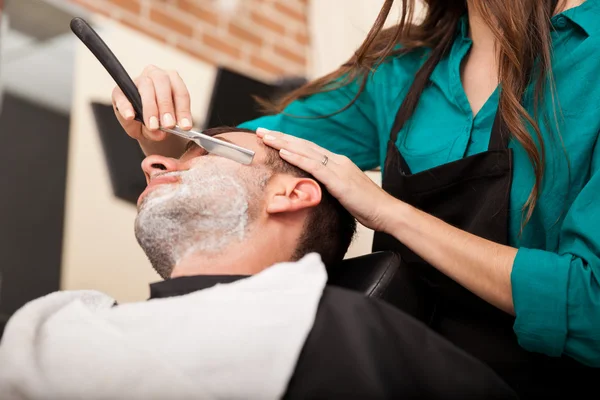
329,229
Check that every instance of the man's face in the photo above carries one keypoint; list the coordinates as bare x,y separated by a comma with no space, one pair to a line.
201,202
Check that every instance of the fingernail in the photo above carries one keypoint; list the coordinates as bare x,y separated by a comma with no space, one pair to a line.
128,114
153,124
270,138
285,152
262,131
168,120
185,123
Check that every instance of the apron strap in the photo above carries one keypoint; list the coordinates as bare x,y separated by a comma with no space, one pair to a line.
500,136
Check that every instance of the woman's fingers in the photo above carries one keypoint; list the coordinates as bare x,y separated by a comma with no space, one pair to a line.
296,147
280,141
164,97
149,106
181,99
125,114
317,161
324,173
149,109
165,103
172,98
122,105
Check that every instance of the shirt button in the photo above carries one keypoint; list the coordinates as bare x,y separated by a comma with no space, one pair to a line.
561,22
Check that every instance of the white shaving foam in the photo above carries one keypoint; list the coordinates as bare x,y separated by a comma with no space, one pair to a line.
205,212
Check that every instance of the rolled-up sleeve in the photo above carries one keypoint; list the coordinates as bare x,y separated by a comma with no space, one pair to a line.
556,295
352,132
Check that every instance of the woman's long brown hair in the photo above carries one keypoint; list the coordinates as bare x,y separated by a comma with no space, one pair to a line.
522,31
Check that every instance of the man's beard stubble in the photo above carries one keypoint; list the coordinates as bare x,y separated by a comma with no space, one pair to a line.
204,213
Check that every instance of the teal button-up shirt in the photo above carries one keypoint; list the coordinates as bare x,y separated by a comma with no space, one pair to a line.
556,274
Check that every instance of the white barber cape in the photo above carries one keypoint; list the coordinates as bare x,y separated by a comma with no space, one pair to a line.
232,341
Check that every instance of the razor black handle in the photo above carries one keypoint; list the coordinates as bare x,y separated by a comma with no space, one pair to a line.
94,42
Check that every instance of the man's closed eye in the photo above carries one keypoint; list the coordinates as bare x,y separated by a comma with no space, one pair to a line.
193,147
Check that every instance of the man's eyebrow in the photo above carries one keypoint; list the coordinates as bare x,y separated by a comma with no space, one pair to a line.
223,139
191,143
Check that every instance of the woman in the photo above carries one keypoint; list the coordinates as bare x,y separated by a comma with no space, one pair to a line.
488,193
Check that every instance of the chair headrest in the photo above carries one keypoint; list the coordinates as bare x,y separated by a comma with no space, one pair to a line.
371,274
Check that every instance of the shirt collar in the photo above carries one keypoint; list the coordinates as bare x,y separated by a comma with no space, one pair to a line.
463,27
586,16
189,284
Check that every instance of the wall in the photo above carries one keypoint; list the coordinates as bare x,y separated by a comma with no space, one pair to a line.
265,39
338,27
32,204
336,32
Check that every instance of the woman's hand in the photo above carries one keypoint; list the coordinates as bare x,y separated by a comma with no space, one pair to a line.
364,199
165,102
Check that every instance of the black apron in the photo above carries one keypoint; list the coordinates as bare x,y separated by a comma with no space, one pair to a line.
471,194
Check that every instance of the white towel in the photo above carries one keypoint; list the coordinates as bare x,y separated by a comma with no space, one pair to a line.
232,341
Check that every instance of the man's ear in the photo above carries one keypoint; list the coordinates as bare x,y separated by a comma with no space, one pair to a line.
294,195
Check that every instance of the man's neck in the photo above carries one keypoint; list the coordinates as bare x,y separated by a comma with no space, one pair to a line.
247,257
230,262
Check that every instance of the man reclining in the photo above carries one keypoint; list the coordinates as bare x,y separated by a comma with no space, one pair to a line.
244,311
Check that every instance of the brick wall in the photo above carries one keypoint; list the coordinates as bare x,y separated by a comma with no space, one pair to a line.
266,39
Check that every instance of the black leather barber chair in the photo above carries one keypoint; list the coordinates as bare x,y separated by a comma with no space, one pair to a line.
375,275
3,322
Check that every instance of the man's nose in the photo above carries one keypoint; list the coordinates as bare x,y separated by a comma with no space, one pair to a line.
155,164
